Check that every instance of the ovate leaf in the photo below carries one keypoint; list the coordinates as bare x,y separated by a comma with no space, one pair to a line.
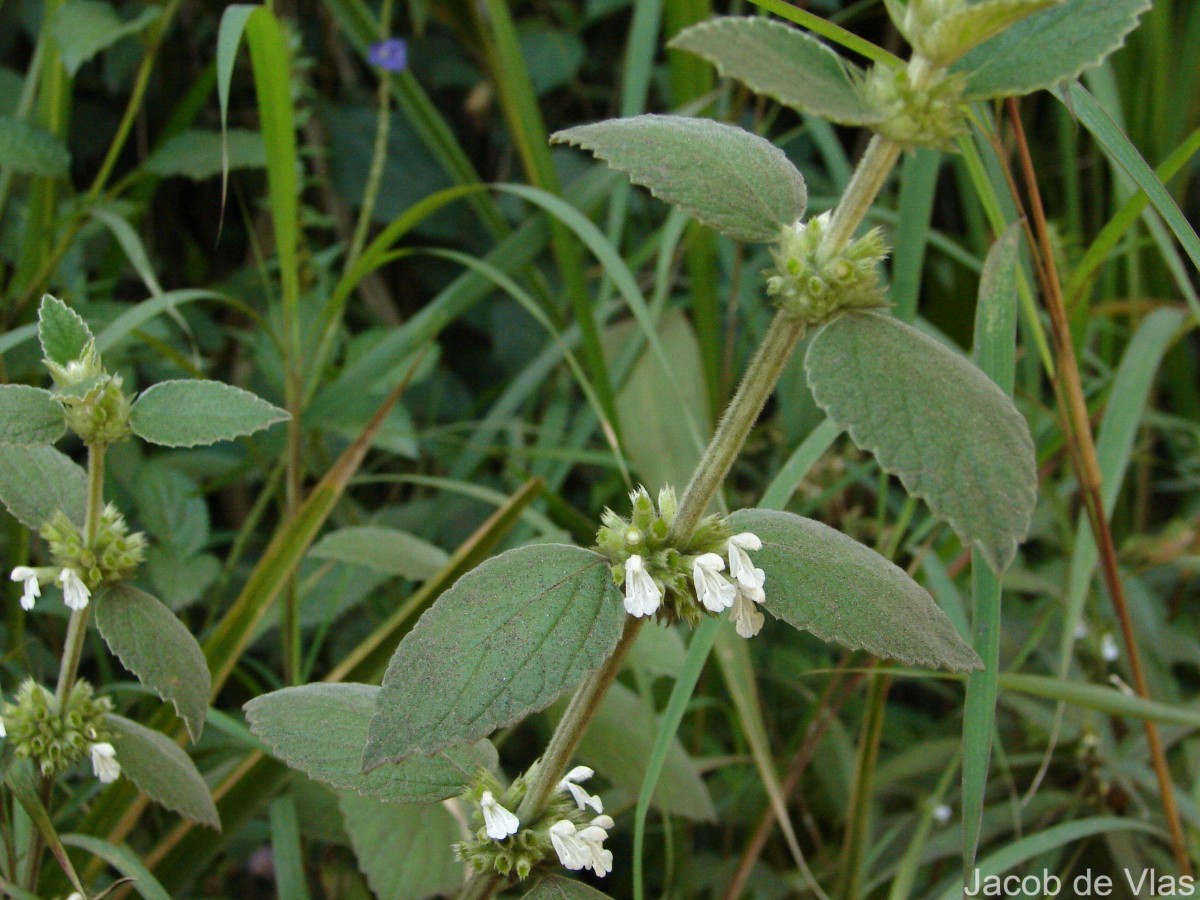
404,850
160,768
969,26
37,481
82,28
384,549
1049,47
155,646
321,729
618,745
933,419
737,182
555,887
824,582
29,415
196,154
189,413
781,62
506,640
62,332
27,148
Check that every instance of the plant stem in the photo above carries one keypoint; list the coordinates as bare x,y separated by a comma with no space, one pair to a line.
77,629
1087,465
873,170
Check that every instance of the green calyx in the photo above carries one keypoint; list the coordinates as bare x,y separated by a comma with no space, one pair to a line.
645,534
115,556
55,738
811,281
95,406
913,115
519,854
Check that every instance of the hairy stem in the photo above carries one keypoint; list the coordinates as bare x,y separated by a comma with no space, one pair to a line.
77,629
864,187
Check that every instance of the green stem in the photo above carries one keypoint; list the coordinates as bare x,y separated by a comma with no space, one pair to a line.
378,154
77,629
873,170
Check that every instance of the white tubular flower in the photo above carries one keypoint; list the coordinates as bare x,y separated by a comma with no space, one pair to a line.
32,587
570,783
3,730
572,851
741,569
104,762
1109,649
75,592
498,821
711,587
942,813
745,615
642,595
594,836
582,849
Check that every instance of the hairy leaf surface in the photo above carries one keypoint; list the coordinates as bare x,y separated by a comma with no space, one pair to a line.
29,415
191,412
160,768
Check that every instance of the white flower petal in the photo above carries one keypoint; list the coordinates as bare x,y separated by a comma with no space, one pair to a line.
104,762
741,569
75,592
498,821
582,797
3,730
642,594
1109,649
745,616
32,587
713,591
572,852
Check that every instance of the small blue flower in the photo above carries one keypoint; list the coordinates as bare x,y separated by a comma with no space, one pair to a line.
391,55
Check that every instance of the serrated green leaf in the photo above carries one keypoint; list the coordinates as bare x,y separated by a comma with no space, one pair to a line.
321,729
82,28
782,63
555,887
969,26
933,419
196,154
160,768
384,549
62,332
38,481
189,413
27,148
155,646
506,640
618,745
734,181
825,582
403,849
1049,47
29,415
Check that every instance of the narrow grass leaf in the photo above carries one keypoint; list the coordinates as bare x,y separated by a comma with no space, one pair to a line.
124,861
287,854
1121,151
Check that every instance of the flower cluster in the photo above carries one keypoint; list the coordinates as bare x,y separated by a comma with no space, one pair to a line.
95,405
566,829
114,556
55,737
929,115
687,582
812,280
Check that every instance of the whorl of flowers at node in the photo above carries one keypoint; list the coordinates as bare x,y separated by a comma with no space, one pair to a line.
684,582
115,555
929,115
55,738
812,280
